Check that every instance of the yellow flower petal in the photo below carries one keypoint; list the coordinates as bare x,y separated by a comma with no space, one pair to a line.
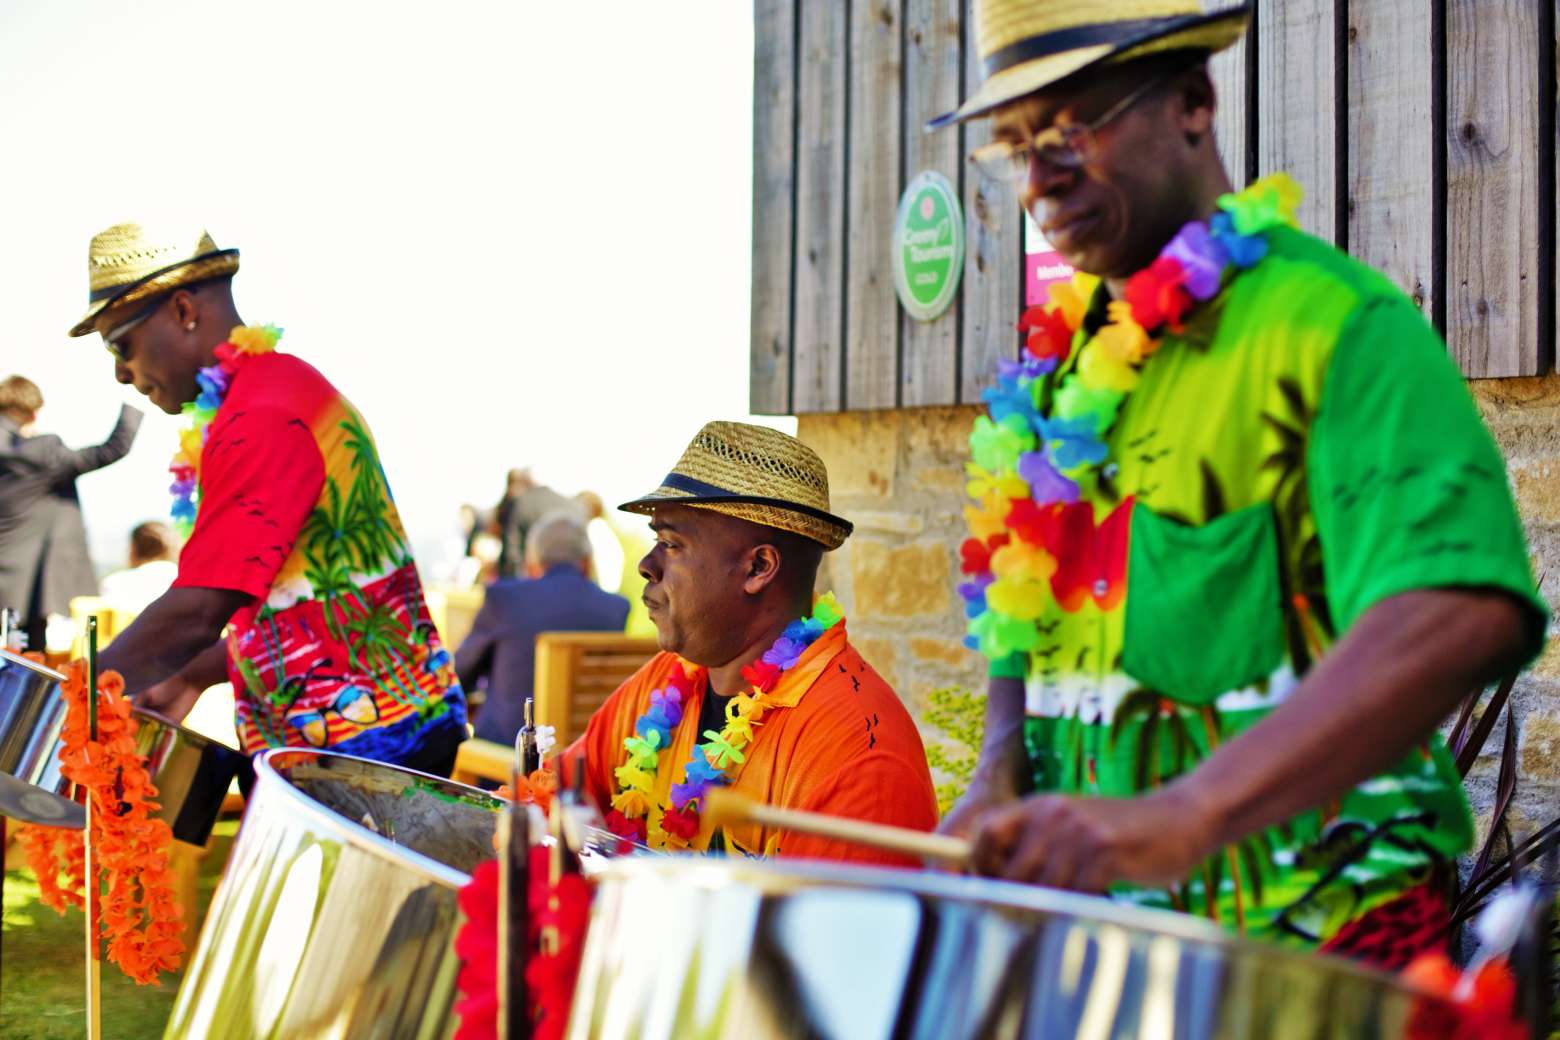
1098,369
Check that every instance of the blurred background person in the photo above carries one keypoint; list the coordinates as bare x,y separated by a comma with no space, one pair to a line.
44,561
617,551
524,503
557,596
154,555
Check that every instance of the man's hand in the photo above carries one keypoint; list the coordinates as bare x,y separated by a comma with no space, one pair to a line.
172,698
1088,844
984,795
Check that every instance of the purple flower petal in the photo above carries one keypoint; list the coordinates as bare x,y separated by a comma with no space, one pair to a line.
1046,485
1202,257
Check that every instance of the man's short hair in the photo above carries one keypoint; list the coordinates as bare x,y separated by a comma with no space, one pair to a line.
557,538
153,540
19,396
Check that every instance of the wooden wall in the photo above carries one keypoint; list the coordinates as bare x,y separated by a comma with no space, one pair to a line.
1422,130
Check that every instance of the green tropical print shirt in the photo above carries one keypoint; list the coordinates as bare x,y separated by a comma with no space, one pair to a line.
1301,450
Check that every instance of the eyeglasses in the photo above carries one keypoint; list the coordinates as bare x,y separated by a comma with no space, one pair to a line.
114,337
1068,146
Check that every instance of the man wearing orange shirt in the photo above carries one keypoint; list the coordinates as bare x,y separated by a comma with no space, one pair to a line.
757,686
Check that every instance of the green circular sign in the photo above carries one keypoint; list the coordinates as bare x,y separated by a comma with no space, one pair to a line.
928,246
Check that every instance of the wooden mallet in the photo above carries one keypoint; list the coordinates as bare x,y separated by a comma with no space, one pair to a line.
723,807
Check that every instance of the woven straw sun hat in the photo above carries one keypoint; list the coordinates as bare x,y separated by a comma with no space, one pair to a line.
756,474
1027,45
131,262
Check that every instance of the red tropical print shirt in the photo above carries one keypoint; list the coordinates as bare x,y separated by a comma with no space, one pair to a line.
337,650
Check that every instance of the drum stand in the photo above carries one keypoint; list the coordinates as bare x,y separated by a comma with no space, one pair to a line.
94,965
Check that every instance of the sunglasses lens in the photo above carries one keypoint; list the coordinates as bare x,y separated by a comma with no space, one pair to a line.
311,726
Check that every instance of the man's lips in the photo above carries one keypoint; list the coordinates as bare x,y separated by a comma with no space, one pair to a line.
1068,229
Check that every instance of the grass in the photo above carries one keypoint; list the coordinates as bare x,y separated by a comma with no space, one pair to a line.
42,988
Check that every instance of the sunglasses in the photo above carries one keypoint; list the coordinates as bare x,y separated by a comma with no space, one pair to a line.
354,704
1069,146
114,338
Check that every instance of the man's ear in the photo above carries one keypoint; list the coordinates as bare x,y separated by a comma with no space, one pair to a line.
761,566
186,310
1195,95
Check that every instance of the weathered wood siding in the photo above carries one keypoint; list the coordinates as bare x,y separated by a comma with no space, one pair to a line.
1422,130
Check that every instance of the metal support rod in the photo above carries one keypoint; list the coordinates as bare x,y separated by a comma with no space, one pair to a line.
94,965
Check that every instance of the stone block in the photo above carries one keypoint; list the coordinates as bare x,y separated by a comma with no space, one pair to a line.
950,651
946,482
1540,748
860,450
1537,486
887,521
900,581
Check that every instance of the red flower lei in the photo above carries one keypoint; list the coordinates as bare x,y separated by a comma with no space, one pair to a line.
141,920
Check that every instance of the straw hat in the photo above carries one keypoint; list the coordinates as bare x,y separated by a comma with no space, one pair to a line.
1027,45
129,262
756,474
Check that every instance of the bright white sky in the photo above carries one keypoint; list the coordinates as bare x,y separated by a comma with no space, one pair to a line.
510,231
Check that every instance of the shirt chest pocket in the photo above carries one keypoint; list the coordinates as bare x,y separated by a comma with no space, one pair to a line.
1204,610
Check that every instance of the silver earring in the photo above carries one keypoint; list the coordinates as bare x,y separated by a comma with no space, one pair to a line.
190,327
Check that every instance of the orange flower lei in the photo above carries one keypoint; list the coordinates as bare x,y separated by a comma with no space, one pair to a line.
141,917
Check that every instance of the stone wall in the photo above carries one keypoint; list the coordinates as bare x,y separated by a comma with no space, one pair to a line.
899,476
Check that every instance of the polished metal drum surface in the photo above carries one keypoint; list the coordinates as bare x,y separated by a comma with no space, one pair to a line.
336,914
722,949
32,716
192,774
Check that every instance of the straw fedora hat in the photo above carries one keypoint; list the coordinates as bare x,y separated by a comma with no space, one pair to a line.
129,262
1027,45
756,474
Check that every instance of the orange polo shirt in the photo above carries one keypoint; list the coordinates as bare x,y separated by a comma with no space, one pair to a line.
836,740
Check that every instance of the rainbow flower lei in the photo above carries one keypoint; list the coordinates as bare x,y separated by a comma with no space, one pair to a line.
243,342
711,762
1033,539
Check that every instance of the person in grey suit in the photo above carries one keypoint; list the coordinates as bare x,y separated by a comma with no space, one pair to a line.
559,596
43,543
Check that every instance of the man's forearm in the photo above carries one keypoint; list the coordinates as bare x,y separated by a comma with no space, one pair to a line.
209,667
1002,745
179,626
1383,689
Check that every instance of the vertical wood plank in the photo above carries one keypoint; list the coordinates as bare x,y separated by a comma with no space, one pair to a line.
1493,224
871,306
993,268
1297,103
774,160
1391,148
1228,70
930,350
817,370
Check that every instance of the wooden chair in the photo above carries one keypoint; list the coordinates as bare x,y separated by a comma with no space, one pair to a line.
575,673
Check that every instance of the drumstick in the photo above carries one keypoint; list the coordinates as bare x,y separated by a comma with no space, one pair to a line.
723,806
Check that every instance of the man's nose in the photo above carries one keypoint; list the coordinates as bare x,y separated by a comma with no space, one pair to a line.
122,373
1044,179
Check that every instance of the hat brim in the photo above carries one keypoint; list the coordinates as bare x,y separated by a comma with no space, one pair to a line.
825,528
1202,32
202,268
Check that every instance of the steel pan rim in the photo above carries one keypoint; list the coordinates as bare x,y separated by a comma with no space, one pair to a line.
795,876
32,665
351,831
147,715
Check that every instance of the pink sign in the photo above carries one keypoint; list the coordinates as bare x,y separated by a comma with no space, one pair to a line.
1042,264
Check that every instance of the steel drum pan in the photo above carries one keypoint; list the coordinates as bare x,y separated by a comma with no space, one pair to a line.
192,772
729,949
32,717
336,914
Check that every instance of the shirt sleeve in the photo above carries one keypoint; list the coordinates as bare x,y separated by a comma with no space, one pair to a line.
261,474
1407,486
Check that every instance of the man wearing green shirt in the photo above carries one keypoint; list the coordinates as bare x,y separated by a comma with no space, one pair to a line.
1239,541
